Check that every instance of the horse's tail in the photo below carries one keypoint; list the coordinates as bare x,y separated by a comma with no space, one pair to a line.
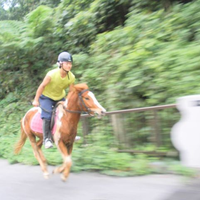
21,141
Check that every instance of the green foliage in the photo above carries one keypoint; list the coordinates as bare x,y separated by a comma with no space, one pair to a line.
90,157
40,21
81,30
137,60
17,9
10,30
109,14
131,53
95,157
182,170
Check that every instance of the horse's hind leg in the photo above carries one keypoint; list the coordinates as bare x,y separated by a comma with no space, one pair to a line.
38,156
39,145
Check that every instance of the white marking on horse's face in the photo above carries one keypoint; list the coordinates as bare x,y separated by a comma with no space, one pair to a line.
96,102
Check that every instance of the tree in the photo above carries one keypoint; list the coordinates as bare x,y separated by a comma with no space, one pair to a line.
17,9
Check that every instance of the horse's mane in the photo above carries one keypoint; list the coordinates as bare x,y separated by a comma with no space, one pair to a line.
78,87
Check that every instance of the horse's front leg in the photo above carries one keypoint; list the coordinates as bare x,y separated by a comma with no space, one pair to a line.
67,162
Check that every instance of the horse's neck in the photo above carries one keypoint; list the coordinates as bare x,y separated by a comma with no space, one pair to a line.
71,117
73,103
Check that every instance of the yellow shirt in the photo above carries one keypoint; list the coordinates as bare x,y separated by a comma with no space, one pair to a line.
56,88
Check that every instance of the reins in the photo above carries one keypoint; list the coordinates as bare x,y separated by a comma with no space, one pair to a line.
81,103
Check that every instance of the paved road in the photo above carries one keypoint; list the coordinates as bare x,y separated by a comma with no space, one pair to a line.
22,182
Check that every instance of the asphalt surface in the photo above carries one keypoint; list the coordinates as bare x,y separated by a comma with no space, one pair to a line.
23,182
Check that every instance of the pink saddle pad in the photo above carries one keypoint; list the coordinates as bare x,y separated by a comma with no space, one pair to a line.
36,123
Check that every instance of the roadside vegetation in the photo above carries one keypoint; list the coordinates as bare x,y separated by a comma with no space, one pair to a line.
130,53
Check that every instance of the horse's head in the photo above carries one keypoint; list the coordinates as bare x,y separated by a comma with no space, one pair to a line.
87,100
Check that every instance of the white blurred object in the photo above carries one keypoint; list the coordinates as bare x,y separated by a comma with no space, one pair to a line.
185,134
77,138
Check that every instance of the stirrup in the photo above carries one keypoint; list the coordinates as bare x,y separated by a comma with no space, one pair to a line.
48,143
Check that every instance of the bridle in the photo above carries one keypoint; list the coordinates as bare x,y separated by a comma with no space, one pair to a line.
81,103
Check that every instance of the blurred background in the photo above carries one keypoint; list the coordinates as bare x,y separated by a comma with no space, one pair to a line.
131,53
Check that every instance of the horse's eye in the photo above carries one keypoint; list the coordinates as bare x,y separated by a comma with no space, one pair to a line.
87,98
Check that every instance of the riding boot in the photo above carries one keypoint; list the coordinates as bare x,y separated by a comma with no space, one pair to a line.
47,134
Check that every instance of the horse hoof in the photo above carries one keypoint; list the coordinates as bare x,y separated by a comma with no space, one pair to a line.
46,175
56,171
63,178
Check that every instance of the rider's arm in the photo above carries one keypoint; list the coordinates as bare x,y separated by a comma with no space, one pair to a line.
40,89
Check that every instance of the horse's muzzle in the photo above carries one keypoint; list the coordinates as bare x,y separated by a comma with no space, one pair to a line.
99,112
103,112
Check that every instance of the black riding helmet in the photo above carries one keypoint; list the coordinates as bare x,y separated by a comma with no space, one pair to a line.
65,57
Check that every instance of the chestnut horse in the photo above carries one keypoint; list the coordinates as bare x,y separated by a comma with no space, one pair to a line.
68,114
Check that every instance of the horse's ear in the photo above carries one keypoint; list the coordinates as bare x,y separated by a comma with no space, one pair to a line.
80,87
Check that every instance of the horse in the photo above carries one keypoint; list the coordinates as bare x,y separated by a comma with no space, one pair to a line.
79,99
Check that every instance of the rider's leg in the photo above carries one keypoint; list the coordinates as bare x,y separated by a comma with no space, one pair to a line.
47,134
46,106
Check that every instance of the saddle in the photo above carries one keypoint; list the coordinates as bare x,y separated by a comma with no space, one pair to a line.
36,122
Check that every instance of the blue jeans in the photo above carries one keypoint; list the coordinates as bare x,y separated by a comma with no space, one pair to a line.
47,106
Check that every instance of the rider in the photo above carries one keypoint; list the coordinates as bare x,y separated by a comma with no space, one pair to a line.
52,90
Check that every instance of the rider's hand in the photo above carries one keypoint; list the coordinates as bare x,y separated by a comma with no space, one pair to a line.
35,103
